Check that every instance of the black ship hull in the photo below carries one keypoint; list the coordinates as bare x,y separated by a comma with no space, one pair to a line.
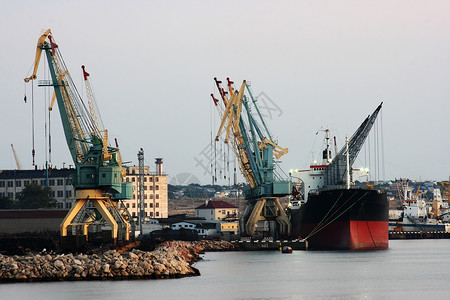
350,219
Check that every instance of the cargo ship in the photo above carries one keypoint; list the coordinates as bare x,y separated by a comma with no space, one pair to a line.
329,211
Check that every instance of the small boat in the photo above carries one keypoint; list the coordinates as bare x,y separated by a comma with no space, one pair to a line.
286,249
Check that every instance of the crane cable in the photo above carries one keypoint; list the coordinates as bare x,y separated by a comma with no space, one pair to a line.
33,152
316,230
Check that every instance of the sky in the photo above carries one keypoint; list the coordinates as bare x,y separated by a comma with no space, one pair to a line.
313,65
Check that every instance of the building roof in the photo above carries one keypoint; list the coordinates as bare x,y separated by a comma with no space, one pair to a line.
33,213
31,174
216,204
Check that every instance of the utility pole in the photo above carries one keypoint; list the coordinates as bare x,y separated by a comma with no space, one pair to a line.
140,156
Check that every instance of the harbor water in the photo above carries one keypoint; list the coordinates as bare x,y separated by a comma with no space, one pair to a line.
409,269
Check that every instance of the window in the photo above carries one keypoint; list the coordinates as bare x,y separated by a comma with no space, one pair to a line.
60,181
145,179
133,179
2,183
157,196
60,193
10,195
51,182
18,183
157,213
10,183
60,205
53,194
68,205
133,205
151,179
157,187
68,194
128,205
34,181
157,179
26,182
68,181
42,182
157,205
145,205
151,205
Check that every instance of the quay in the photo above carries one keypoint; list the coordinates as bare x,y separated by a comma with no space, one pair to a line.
255,245
409,235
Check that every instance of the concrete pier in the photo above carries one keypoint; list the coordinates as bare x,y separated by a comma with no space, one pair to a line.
255,245
408,235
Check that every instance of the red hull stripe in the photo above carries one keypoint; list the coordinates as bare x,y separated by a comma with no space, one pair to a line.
352,235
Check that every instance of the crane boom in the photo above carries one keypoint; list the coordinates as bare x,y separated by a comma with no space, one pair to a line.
19,167
337,169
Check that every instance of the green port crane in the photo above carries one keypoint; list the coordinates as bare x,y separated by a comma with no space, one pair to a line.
99,170
243,125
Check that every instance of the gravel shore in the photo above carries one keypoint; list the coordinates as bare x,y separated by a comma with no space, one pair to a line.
169,260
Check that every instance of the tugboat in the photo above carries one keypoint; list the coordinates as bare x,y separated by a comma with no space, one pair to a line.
333,213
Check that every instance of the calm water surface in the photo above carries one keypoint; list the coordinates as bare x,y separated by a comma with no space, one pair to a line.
412,269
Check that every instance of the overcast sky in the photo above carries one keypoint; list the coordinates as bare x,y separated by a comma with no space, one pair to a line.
315,64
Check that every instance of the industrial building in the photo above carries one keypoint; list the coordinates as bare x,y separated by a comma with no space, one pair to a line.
155,193
12,183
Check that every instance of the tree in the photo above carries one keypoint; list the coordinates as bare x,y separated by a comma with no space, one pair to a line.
6,203
35,196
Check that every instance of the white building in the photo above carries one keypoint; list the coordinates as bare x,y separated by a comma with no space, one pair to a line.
189,225
155,193
217,210
12,182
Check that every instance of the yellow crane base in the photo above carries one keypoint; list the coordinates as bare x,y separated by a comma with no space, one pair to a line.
101,203
267,209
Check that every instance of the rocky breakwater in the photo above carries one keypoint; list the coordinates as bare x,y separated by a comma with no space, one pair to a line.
168,260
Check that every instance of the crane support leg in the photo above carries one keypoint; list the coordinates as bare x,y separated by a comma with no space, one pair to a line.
101,207
79,203
267,209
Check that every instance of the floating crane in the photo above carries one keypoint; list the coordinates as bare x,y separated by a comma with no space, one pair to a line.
99,170
245,129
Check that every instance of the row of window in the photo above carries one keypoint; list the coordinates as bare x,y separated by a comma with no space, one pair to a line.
150,196
67,205
59,194
51,182
134,179
147,215
134,205
9,195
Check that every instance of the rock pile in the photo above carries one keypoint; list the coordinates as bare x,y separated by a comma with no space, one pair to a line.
169,260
